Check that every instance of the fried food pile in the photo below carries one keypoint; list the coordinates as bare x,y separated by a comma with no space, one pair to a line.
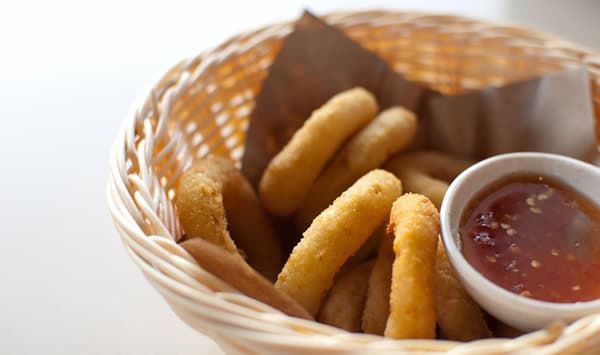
370,258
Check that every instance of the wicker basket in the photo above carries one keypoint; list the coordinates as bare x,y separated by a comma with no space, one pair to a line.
202,105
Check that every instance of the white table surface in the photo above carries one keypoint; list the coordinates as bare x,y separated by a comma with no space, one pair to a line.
69,71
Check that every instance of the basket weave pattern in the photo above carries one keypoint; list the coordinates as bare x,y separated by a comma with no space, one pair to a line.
202,106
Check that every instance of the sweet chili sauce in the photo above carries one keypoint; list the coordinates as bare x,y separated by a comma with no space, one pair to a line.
535,237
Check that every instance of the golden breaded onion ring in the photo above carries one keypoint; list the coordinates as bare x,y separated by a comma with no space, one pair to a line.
391,131
377,304
459,316
291,173
419,182
436,164
214,199
344,305
415,223
335,235
427,172
366,251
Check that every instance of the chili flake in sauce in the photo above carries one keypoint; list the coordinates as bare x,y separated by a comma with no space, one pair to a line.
535,237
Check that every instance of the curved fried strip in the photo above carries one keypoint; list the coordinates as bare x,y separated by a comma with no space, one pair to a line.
377,305
415,223
246,220
335,235
427,172
366,251
241,276
344,305
459,317
391,131
199,203
414,180
436,164
291,173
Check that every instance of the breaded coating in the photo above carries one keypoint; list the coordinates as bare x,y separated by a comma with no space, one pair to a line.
291,173
416,181
415,223
391,131
427,172
459,317
199,203
335,235
344,305
366,251
377,305
436,164
201,213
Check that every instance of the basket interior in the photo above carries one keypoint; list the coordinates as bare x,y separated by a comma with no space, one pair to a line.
446,53
203,104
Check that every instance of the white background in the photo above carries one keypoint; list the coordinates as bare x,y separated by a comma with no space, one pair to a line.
68,72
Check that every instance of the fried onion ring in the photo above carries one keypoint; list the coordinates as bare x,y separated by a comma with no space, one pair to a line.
415,223
291,173
459,317
214,199
377,305
344,305
335,235
427,172
391,131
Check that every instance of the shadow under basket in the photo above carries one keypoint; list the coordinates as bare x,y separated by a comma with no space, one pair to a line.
202,106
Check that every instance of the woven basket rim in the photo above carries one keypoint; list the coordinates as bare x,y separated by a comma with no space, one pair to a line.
177,290
503,24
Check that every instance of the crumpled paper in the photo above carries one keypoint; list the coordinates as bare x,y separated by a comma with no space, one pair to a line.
316,62
551,113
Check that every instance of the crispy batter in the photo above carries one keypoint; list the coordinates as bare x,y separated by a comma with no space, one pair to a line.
415,223
459,317
416,181
366,251
391,131
343,307
427,172
241,276
377,305
200,209
335,235
291,173
201,213
436,164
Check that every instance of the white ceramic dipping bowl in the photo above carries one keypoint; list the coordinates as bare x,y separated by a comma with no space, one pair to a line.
518,311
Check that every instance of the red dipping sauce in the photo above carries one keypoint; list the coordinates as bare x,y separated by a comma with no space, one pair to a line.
535,237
